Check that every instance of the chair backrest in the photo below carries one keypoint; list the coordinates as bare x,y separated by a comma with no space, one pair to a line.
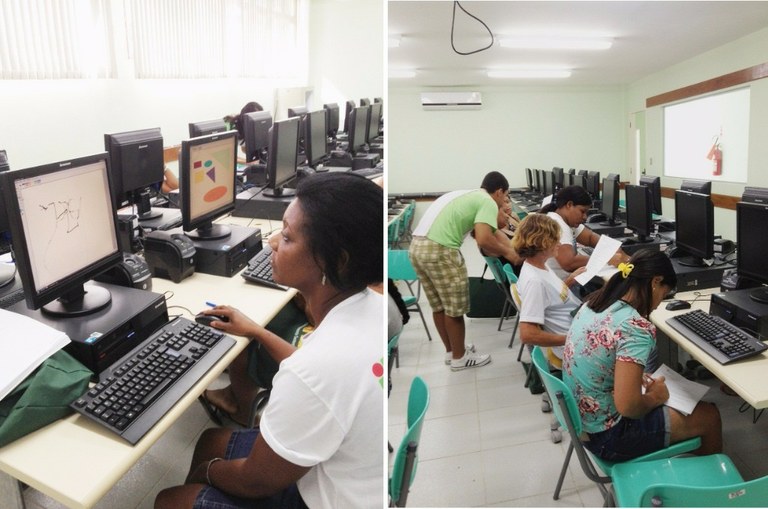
496,269
752,493
406,457
399,265
510,273
391,349
571,420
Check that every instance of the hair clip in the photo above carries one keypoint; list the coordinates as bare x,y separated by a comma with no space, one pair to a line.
625,269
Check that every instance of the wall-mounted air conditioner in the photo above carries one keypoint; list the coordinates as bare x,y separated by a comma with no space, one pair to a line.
451,100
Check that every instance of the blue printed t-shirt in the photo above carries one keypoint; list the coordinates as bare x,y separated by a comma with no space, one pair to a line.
594,343
459,217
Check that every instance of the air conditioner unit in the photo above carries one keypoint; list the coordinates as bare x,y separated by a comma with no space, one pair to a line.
451,100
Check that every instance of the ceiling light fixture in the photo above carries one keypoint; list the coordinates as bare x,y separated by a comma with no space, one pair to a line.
530,73
575,43
402,73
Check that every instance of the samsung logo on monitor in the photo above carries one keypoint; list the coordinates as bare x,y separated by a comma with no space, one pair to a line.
143,146
68,163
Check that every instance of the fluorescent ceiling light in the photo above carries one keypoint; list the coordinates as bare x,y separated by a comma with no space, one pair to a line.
394,41
530,73
402,73
577,43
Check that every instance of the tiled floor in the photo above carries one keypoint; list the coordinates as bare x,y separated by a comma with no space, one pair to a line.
485,441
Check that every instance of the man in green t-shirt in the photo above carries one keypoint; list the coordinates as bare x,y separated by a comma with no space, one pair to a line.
436,256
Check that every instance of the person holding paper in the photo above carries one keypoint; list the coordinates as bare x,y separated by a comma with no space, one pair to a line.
569,208
606,350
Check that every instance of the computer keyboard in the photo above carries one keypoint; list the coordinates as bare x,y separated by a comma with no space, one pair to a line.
723,341
11,298
369,172
259,269
135,393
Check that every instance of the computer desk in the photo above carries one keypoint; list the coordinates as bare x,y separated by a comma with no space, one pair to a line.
74,460
745,377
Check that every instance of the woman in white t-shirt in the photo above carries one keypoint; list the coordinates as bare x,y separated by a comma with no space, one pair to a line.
320,438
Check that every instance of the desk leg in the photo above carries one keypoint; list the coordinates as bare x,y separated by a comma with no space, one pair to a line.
667,350
10,492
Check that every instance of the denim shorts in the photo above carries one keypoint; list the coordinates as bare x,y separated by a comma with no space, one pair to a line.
239,446
631,438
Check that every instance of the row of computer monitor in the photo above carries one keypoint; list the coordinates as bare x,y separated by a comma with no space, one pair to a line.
548,182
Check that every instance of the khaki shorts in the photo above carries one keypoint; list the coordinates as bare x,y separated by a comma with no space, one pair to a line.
443,276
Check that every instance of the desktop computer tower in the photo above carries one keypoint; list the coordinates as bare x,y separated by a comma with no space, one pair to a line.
696,278
226,257
739,309
253,203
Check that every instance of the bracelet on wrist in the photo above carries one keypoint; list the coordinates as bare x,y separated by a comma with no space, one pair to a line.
208,470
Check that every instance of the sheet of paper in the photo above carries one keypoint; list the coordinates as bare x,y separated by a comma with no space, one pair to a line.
24,344
547,200
605,249
683,393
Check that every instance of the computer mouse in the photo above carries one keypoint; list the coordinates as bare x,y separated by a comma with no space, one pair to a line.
676,305
207,319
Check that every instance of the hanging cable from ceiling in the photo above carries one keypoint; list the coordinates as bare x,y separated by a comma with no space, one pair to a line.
453,25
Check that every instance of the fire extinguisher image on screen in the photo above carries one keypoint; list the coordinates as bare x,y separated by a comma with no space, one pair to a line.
716,156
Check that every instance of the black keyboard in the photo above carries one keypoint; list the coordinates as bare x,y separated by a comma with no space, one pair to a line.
137,391
11,298
723,341
259,270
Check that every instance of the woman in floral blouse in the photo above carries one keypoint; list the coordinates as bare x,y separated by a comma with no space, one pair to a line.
607,347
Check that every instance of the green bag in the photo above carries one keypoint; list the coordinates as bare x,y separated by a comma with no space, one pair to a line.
43,397
486,299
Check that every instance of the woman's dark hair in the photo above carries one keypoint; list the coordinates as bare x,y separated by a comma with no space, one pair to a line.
394,292
345,227
576,194
236,120
494,181
647,264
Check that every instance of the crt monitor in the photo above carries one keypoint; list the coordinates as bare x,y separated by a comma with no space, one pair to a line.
610,204
64,226
593,184
653,183
697,186
372,131
751,232
639,211
358,127
695,227
332,118
317,148
256,127
136,162
207,171
281,157
206,127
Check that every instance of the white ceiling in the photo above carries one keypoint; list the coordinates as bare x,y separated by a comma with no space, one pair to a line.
648,37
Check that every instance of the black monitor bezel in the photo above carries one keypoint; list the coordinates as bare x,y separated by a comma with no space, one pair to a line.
653,182
36,299
699,222
639,202
115,144
278,133
313,119
189,223
256,127
206,127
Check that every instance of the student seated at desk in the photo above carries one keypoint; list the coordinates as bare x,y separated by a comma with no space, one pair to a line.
235,122
321,434
607,348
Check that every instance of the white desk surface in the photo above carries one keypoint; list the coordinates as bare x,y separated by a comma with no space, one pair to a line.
75,461
745,377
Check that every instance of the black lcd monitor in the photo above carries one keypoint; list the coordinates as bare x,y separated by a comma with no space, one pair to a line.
297,111
206,127
256,126
697,186
752,252
576,180
4,166
548,183
301,113
557,175
7,271
349,107
377,100
582,172
332,118
358,126
610,203
653,183
317,148
529,178
695,227
572,171
64,226
372,131
365,101
639,211
207,171
136,163
539,179
593,184
281,157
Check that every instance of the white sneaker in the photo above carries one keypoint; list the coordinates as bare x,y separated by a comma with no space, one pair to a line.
468,347
470,360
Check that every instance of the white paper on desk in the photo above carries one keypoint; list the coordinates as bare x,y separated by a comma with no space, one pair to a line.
547,200
683,393
24,344
604,250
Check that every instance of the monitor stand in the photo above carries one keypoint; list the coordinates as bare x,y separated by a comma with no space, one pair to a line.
279,192
82,300
759,295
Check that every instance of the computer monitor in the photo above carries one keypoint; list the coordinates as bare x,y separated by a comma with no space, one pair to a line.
751,232
297,111
377,100
610,204
572,171
349,107
206,127
695,227
7,271
654,184
136,163
548,183
281,157
372,132
539,179
557,175
4,166
697,186
301,113
639,211
317,148
576,180
64,226
593,184
357,131
207,171
332,118
365,101
256,126
582,172
529,178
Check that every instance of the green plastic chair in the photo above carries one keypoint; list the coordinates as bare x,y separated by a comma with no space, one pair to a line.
393,233
399,268
567,412
406,458
393,357
500,277
512,280
701,481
